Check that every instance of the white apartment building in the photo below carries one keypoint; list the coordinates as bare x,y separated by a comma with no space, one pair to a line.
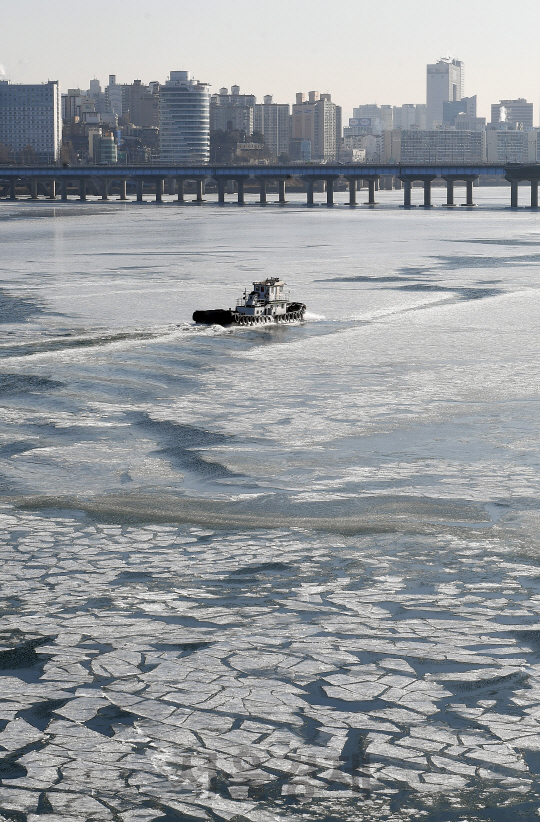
318,120
511,145
452,146
232,112
184,114
274,121
31,115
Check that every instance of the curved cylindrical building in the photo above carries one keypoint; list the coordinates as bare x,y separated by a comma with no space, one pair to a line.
184,114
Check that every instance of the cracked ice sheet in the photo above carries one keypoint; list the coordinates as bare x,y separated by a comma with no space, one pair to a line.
295,676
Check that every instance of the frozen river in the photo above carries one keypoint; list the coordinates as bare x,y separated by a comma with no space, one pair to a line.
275,573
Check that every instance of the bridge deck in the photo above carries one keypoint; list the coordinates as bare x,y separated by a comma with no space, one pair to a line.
307,171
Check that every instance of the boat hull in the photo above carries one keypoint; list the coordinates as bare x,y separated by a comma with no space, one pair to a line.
226,317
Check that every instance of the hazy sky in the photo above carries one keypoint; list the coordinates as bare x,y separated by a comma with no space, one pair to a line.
359,51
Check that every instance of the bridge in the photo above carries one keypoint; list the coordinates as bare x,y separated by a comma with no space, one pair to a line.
34,179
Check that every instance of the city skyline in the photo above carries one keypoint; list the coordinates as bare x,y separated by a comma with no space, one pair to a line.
292,49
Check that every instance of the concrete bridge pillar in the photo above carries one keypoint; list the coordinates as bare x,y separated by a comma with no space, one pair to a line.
12,190
427,193
171,186
63,189
123,189
200,191
329,191
262,191
159,189
180,189
371,192
309,192
534,193
469,198
221,190
140,191
514,193
104,189
240,183
281,186
407,185
52,190
82,189
352,191
33,189
450,192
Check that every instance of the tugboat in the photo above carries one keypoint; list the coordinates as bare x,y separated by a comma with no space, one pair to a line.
265,304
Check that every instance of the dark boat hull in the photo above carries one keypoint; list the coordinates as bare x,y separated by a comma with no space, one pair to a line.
226,317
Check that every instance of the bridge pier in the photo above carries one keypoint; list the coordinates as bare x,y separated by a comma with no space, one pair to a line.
262,191
82,189
200,191
221,190
371,192
534,193
104,189
33,189
12,190
281,187
309,192
469,195
352,190
427,193
329,191
180,189
140,191
240,184
52,190
449,192
407,185
171,186
63,189
123,189
514,193
159,190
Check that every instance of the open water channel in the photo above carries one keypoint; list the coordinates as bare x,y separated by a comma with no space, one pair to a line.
282,573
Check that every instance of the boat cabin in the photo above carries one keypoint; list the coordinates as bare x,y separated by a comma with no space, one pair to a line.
265,299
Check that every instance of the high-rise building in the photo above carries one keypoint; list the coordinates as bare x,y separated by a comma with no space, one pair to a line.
387,118
232,112
368,119
452,108
318,120
273,120
445,83
184,115
140,105
513,113
113,94
31,116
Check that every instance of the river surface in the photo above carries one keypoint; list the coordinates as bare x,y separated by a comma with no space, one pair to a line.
278,573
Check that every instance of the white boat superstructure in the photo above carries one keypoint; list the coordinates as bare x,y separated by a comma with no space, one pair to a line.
266,299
